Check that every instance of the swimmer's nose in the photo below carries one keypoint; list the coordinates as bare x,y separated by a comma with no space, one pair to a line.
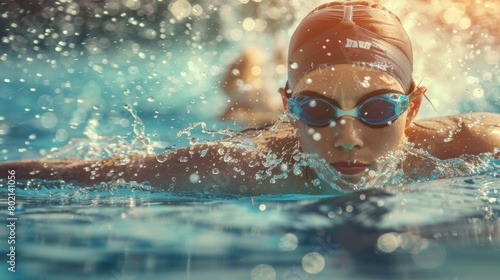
347,134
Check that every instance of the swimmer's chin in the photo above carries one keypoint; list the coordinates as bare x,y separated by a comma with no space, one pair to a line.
358,177
346,177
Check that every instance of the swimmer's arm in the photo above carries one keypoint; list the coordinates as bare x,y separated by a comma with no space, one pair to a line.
51,169
200,168
453,136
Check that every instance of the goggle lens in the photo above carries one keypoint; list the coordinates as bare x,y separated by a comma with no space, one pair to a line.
375,111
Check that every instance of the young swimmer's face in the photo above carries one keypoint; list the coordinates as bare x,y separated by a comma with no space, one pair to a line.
350,146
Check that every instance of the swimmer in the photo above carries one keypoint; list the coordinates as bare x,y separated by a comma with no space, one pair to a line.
351,102
250,101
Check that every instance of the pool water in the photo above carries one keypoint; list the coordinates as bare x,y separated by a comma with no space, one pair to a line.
443,229
85,79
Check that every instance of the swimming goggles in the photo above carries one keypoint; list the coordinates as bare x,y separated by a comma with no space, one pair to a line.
377,111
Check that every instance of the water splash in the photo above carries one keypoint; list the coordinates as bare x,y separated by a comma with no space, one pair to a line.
213,135
397,168
426,167
98,146
140,142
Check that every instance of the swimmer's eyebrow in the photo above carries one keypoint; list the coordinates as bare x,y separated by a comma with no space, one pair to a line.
365,97
378,92
319,95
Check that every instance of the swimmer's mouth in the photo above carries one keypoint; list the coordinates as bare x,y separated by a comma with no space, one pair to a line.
349,168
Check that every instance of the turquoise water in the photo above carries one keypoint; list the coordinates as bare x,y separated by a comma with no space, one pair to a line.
444,229
130,75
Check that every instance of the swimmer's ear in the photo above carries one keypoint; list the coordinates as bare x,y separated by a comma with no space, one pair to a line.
415,102
284,98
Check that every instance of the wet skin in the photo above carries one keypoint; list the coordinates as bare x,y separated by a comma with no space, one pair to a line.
350,146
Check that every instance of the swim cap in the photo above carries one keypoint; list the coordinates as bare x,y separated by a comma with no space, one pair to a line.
351,32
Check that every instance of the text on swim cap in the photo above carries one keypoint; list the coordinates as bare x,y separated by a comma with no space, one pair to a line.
358,44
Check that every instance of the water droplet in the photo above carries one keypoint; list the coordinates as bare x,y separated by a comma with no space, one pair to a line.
263,271
297,171
283,167
294,65
161,158
321,68
313,263
349,208
235,72
215,171
194,178
388,242
243,188
478,92
289,242
366,82
150,99
203,152
228,158
126,92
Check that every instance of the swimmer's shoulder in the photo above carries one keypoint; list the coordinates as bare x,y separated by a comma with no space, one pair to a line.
278,138
452,136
